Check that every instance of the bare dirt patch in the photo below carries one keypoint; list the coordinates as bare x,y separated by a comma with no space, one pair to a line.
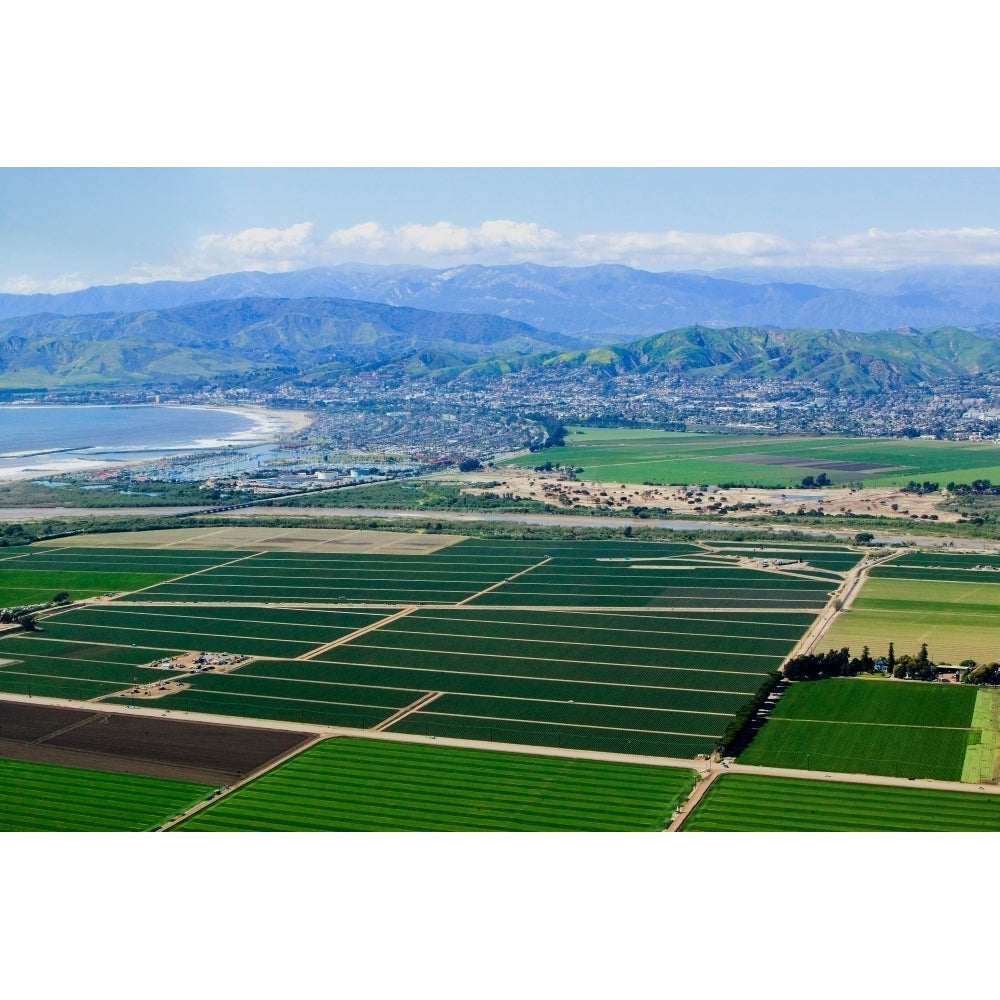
139,744
252,539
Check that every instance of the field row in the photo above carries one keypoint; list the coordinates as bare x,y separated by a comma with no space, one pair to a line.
38,797
750,802
358,784
893,728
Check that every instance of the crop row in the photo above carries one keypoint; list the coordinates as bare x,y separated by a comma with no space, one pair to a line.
656,690
899,751
347,784
38,797
166,562
879,702
749,802
671,649
176,640
529,733
957,575
716,670
602,627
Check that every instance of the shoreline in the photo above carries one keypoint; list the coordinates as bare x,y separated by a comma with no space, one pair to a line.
266,426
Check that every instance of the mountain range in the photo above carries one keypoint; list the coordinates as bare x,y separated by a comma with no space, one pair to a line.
262,343
605,303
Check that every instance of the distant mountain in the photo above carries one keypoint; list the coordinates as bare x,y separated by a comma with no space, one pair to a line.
605,303
202,342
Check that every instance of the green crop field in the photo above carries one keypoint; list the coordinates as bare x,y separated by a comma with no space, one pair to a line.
626,646
19,587
261,631
751,802
641,456
44,797
368,785
861,726
645,683
949,605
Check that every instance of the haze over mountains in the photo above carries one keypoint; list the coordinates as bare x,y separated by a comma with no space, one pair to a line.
604,303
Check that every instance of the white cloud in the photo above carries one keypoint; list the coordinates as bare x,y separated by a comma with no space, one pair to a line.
501,241
879,249
23,284
260,242
442,238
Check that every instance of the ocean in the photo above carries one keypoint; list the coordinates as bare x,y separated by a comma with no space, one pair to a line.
53,439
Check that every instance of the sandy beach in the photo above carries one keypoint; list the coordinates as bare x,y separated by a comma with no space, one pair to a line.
266,425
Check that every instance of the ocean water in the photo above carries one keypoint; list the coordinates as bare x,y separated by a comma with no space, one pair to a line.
64,437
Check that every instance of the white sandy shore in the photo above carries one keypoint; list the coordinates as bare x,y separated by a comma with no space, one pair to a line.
267,425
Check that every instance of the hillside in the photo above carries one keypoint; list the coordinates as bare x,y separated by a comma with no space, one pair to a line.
263,343
246,336
832,358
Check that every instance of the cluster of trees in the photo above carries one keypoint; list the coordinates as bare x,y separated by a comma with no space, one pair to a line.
555,432
984,673
977,486
840,663
925,487
809,482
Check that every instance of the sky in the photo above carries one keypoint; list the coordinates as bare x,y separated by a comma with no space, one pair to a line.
662,136
67,228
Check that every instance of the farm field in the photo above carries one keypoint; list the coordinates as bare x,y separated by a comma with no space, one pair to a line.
942,600
20,587
253,539
255,631
661,457
46,797
750,802
863,726
366,785
647,683
136,744
623,646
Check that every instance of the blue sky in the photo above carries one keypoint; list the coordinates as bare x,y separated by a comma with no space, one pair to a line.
66,228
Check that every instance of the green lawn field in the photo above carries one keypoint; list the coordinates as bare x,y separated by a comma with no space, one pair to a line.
750,802
863,726
640,456
44,797
369,785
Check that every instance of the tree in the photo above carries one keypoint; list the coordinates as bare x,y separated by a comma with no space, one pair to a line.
61,598
864,538
922,658
890,660
469,465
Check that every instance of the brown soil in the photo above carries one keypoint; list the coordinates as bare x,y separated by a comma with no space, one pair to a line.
139,744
